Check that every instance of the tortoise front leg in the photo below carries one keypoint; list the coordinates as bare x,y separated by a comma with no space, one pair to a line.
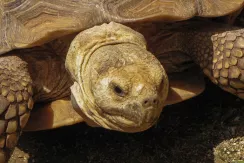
15,102
221,56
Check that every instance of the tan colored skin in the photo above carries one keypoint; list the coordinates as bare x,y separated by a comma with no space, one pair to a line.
124,87
127,91
221,57
98,70
216,48
15,101
28,23
119,85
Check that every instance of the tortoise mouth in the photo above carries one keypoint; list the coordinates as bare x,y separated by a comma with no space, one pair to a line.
126,125
120,120
125,119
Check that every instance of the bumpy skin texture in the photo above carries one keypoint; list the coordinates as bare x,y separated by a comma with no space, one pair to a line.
108,93
218,49
50,78
26,76
15,102
220,55
102,62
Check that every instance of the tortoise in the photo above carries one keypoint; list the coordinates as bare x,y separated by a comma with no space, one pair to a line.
116,63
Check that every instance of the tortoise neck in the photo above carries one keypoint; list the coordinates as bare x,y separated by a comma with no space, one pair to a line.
61,45
199,42
50,79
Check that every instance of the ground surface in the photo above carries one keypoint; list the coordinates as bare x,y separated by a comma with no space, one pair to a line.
190,132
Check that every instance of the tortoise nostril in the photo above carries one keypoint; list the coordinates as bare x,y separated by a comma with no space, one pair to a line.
154,101
150,102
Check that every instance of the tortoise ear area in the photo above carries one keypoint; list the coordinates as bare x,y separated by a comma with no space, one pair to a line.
76,100
185,85
78,109
74,103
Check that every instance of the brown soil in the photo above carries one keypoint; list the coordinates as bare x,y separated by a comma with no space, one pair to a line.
208,128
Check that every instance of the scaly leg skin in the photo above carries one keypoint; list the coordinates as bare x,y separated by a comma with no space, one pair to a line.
220,55
15,102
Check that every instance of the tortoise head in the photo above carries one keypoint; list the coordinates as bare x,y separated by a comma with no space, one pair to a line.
118,84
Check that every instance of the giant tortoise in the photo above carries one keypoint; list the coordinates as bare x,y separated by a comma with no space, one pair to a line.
117,63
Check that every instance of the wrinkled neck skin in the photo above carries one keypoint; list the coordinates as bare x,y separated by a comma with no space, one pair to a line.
117,81
118,84
50,78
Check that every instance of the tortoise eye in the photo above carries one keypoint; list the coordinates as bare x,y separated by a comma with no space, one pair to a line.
118,90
